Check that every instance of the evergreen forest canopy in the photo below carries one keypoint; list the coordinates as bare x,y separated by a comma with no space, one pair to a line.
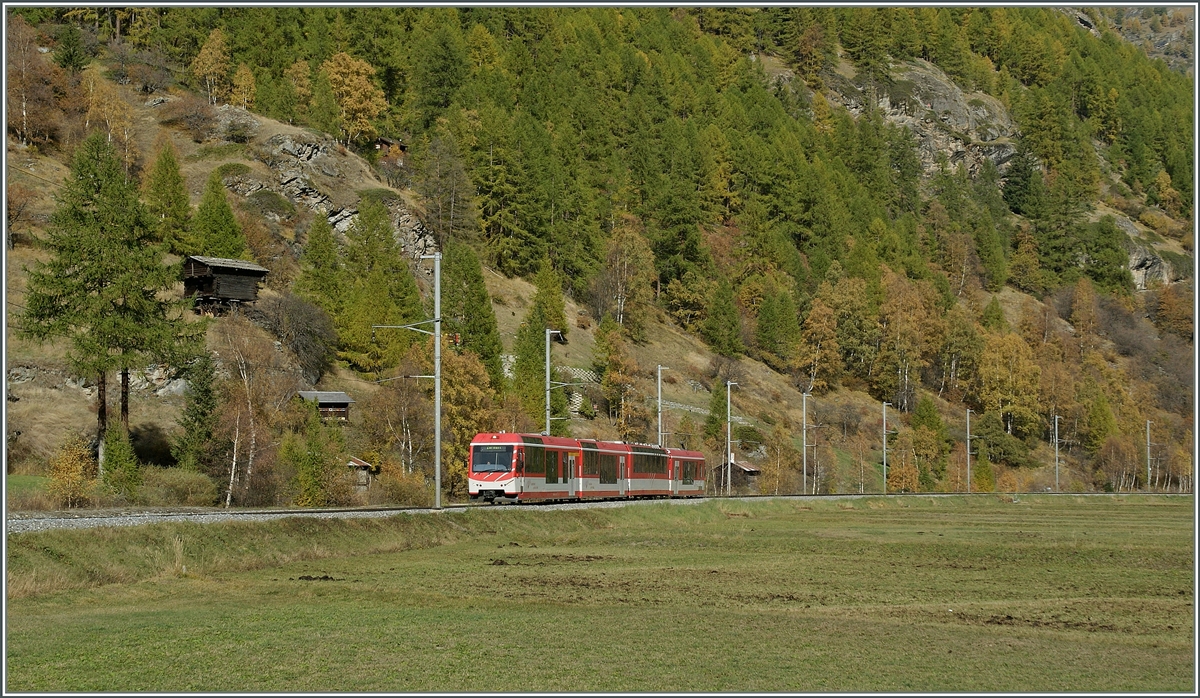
567,144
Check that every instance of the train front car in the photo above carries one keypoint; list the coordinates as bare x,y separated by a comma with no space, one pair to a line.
491,467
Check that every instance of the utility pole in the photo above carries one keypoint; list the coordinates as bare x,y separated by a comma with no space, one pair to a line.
437,370
885,406
804,439
437,379
551,384
548,333
728,443
660,431
968,450
1056,418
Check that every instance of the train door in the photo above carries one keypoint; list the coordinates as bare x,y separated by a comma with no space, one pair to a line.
622,475
572,475
673,468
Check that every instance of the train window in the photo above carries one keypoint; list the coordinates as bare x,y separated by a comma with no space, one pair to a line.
535,460
591,463
608,470
491,458
551,467
689,472
649,463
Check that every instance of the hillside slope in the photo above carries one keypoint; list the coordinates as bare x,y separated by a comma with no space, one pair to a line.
918,226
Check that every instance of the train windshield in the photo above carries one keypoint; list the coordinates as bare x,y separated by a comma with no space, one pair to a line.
491,458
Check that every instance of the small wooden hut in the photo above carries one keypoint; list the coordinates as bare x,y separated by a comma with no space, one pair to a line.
218,280
330,404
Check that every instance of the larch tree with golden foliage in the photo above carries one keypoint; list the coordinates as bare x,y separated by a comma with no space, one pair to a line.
1007,380
211,66
358,99
299,75
468,408
819,356
243,87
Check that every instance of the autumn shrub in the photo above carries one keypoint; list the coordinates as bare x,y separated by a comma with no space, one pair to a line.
394,486
175,486
1153,219
316,455
233,169
72,471
193,114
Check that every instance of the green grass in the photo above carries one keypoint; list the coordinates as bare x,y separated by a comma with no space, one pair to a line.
904,594
25,484
225,150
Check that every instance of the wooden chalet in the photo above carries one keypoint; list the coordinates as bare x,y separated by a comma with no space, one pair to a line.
218,280
742,474
330,404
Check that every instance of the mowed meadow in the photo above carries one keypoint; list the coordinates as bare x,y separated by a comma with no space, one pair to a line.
917,593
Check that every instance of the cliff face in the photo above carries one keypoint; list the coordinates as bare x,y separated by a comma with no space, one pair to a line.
945,121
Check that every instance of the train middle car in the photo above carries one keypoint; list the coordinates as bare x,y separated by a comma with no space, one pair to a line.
533,467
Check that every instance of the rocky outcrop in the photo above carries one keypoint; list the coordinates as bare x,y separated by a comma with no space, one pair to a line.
299,160
964,127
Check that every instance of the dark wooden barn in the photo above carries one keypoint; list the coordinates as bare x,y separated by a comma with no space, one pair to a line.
217,280
331,405
743,476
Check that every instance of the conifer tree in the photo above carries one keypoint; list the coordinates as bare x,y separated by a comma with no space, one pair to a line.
723,327
548,299
192,448
993,316
714,423
529,374
70,54
215,231
100,286
358,100
467,309
122,473
321,279
167,199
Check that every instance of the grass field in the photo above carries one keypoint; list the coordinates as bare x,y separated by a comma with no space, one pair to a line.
990,593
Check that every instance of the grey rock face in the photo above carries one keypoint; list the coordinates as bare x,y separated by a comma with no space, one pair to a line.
964,127
1146,267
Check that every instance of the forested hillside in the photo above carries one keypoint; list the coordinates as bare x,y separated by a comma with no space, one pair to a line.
778,184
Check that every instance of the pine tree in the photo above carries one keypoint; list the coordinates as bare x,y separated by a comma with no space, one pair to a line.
993,316
122,473
467,309
321,279
529,374
100,286
548,299
70,54
215,231
192,448
167,199
714,423
723,326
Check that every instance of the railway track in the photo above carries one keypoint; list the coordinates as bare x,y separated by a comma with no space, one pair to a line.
29,522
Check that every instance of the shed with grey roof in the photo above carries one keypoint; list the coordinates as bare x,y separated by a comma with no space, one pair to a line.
330,404
219,280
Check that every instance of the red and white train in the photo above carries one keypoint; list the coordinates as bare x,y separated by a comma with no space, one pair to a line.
527,467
